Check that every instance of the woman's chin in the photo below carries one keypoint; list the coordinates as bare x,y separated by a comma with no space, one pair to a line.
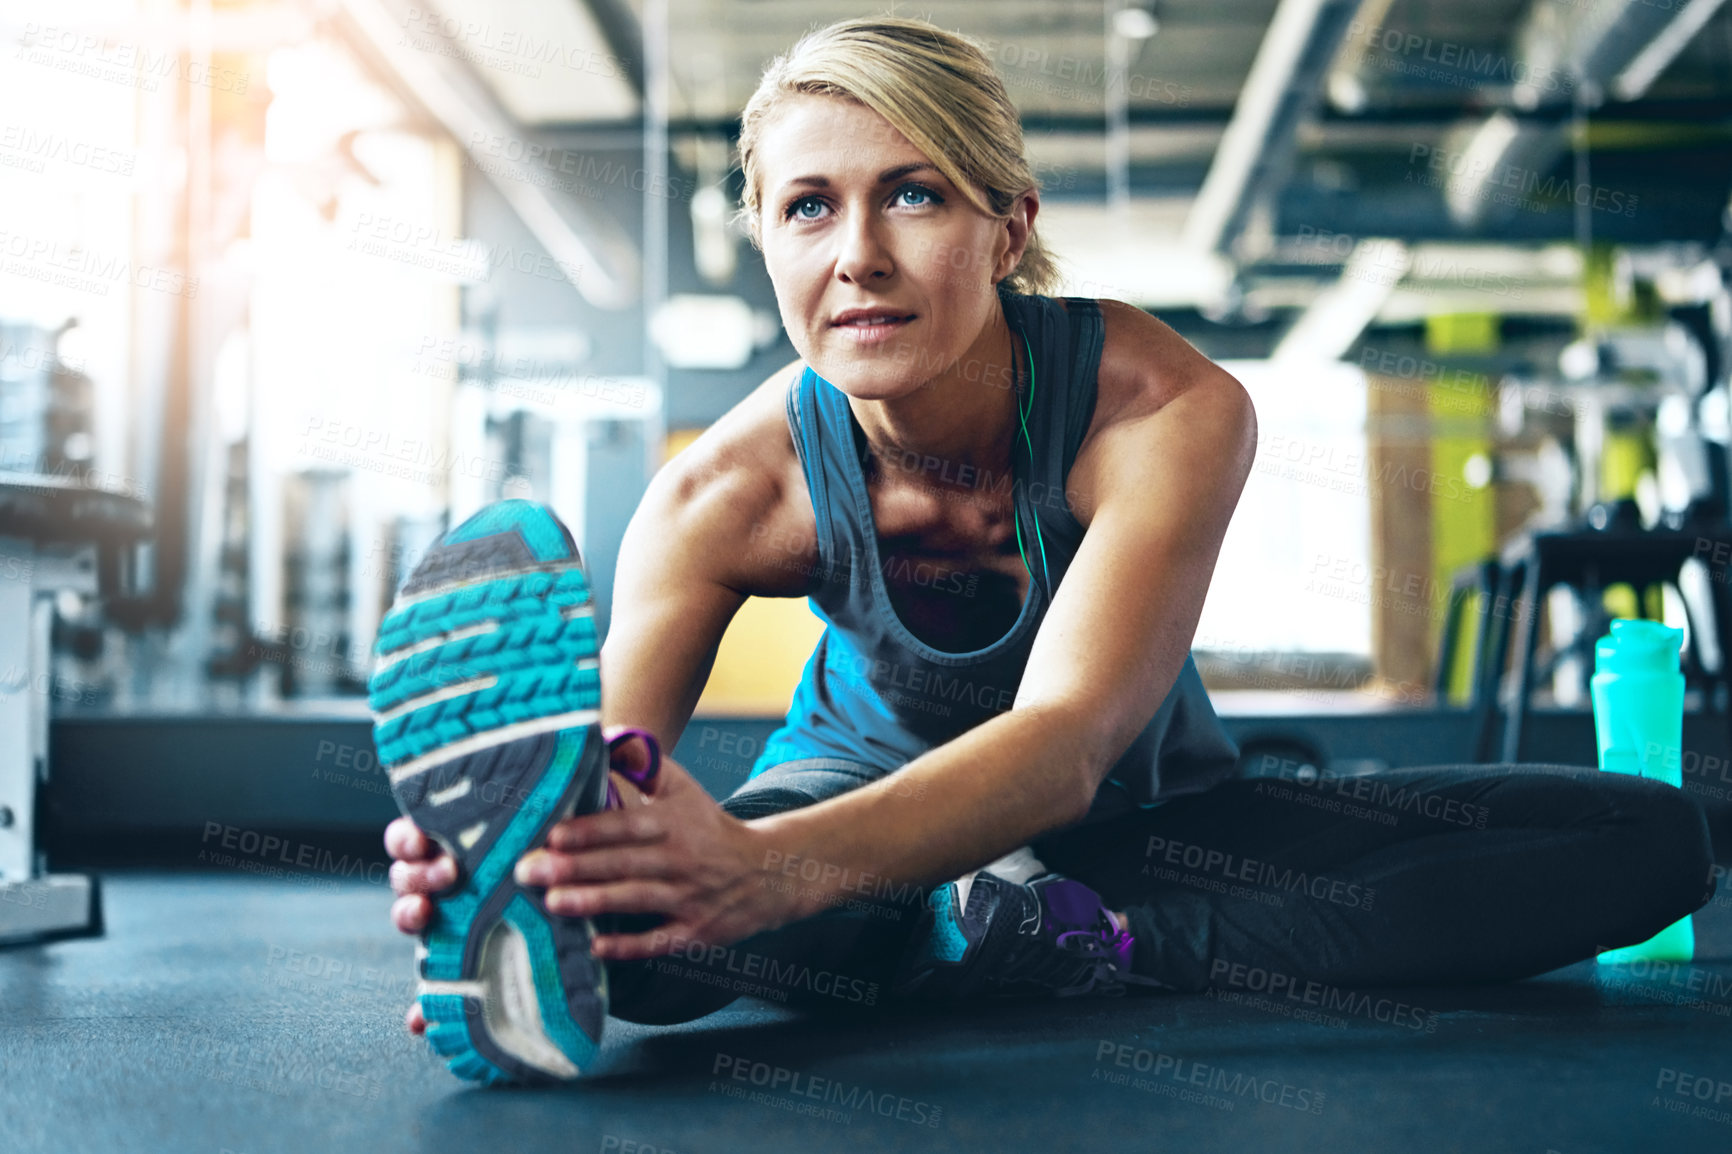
869,386
866,378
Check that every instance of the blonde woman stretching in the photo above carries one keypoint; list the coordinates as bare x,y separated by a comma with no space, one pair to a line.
1000,775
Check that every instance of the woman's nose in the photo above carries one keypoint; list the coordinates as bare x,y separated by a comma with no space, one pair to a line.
864,255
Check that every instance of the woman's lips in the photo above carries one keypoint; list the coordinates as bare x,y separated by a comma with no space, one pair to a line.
870,329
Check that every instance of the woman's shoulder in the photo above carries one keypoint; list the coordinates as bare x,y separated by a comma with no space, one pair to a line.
1149,378
747,457
735,499
1146,366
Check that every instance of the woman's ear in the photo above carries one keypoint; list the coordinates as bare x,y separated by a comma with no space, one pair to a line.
1019,227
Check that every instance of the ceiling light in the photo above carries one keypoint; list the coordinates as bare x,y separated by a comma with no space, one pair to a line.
1579,360
1135,23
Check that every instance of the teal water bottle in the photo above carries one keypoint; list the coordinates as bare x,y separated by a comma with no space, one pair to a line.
1638,698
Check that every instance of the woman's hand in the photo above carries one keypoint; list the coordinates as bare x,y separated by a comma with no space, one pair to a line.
674,852
421,868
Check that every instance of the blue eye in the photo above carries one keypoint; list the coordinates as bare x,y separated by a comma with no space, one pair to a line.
796,210
926,195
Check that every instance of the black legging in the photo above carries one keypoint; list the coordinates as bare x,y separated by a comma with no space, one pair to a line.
1428,876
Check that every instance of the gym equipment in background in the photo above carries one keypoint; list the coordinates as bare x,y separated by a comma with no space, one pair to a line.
58,538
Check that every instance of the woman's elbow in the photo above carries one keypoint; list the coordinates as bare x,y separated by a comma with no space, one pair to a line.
1082,799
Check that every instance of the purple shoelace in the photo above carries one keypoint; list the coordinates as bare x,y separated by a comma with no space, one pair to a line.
1071,903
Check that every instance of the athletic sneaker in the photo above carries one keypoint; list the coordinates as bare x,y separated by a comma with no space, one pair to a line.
486,715
988,937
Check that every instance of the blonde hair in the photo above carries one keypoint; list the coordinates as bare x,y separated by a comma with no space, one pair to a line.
937,88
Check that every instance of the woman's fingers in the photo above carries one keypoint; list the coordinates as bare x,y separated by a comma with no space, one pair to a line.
405,841
423,877
631,897
411,913
550,868
609,827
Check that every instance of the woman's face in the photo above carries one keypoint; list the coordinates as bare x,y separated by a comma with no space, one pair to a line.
884,271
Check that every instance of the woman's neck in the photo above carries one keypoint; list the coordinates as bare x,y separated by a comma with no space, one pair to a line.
964,416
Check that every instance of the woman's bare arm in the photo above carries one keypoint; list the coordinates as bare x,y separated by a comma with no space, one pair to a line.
692,555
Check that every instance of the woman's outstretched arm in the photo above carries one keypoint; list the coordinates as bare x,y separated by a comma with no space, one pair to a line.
688,561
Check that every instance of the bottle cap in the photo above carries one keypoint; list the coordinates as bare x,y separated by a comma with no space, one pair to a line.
1638,647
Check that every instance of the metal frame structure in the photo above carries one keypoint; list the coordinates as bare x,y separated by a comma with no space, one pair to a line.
55,537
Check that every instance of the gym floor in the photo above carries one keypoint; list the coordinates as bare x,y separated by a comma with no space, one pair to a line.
229,1012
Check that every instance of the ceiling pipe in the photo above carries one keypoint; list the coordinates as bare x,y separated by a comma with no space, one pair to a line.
1346,83
1284,86
1565,52
1341,312
1663,49
601,259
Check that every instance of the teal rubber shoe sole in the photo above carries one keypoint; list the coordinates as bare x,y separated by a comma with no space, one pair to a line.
486,714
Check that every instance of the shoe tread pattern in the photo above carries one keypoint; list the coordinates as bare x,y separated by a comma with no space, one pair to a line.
542,659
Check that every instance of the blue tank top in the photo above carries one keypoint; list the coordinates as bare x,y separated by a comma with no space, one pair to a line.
875,694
